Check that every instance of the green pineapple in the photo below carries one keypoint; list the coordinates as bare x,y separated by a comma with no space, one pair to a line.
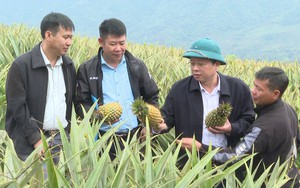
218,116
142,110
112,110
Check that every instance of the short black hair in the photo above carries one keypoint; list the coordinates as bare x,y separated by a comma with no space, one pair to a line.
112,26
52,22
276,77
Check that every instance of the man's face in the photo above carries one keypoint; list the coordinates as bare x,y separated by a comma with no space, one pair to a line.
113,48
203,70
261,93
61,41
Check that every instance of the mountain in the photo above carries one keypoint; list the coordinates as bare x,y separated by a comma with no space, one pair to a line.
264,29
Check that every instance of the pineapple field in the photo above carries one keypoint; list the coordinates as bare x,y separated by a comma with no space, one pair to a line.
151,163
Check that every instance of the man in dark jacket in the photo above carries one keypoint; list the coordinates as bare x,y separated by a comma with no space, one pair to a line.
274,134
115,75
192,98
40,88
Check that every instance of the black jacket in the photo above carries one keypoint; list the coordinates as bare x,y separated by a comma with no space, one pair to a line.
26,91
274,135
183,107
89,82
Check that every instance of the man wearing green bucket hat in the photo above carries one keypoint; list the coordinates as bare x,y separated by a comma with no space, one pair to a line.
192,98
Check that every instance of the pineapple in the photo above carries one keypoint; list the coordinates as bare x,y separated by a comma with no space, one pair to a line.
112,110
142,110
218,116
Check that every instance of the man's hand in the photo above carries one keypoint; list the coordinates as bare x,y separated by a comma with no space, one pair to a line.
226,129
38,144
187,143
160,127
157,129
143,134
114,121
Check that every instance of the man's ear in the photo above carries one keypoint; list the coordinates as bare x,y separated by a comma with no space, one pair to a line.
276,94
48,35
100,41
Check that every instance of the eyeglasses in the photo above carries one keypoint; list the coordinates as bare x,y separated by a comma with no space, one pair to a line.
198,64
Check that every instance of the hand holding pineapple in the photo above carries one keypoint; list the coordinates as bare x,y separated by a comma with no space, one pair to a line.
142,110
218,116
225,129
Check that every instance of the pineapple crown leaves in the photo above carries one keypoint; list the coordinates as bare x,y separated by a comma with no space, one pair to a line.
224,109
143,110
140,108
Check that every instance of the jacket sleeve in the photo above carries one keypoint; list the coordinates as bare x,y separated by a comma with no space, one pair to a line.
148,87
83,96
246,116
18,116
298,139
295,127
168,110
254,138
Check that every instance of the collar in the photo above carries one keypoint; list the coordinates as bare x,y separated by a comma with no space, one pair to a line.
46,60
103,62
267,108
224,85
38,60
194,85
216,89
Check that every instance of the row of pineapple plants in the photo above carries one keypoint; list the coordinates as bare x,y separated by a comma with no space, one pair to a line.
139,164
81,166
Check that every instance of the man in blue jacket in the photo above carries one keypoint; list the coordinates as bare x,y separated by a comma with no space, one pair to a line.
115,75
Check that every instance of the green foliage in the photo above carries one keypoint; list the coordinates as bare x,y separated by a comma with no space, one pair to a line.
165,64
3,71
140,164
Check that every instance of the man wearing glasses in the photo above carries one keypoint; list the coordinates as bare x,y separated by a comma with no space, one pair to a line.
192,98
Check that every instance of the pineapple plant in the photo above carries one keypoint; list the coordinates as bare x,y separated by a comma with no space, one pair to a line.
112,110
218,116
142,110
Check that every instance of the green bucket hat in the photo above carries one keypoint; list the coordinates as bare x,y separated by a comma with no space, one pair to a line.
205,48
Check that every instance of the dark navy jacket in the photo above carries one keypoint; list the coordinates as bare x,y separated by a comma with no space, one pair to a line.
183,107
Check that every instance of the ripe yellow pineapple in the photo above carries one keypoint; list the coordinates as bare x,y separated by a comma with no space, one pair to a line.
142,110
218,116
112,110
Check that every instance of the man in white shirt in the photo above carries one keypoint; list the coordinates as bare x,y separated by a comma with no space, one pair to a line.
40,88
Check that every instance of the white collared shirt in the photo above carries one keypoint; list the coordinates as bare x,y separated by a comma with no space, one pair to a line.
210,102
56,106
